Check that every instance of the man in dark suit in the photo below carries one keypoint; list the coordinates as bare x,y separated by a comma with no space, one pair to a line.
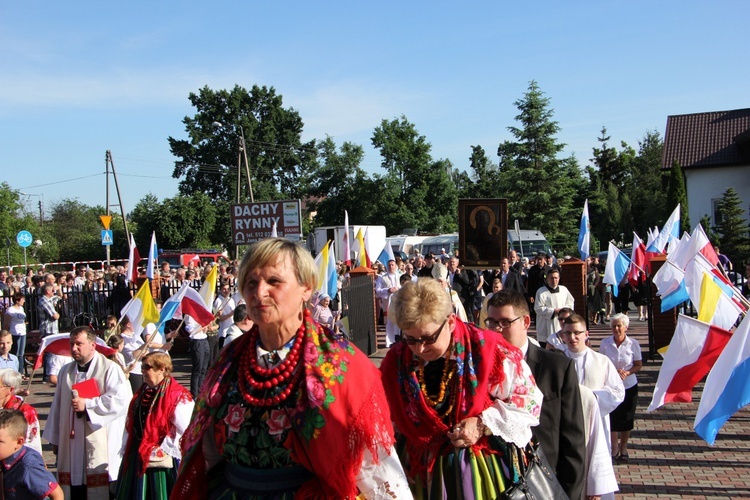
510,278
465,284
561,430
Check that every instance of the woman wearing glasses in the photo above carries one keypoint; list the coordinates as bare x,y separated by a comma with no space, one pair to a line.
459,398
158,415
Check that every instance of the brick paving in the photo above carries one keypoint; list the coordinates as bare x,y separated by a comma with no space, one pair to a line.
667,459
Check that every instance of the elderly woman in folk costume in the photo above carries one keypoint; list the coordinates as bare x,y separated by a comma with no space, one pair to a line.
9,400
463,400
158,415
287,410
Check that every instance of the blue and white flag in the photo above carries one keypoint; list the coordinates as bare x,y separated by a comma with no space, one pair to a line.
727,388
386,255
617,267
584,234
670,231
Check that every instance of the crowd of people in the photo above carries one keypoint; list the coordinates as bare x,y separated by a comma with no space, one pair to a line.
282,405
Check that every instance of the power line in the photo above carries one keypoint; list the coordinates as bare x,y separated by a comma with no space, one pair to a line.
63,181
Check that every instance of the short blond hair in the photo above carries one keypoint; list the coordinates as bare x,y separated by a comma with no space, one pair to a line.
266,252
159,360
420,302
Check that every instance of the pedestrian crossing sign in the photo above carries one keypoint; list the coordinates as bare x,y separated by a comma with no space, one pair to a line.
106,236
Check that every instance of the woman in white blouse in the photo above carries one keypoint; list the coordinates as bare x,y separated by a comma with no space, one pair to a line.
625,354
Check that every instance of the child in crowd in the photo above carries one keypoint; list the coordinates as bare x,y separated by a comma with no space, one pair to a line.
24,472
117,343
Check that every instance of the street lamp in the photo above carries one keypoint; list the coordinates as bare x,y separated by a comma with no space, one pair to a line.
242,152
41,205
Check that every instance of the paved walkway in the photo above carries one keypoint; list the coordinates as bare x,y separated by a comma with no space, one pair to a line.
667,459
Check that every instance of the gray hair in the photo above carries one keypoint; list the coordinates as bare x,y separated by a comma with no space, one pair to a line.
11,378
622,318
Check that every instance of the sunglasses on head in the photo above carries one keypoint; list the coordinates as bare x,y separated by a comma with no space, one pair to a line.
426,340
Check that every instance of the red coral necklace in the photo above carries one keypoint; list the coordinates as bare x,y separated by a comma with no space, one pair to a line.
255,378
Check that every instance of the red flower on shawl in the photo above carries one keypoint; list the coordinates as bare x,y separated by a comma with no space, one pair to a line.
277,423
235,417
316,393
220,435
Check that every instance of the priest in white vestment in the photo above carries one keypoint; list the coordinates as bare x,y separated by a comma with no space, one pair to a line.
87,432
600,474
385,287
548,301
594,370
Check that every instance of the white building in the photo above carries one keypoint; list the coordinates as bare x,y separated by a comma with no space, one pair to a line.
713,150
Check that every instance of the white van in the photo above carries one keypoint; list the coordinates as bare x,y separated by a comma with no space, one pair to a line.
435,244
405,244
531,242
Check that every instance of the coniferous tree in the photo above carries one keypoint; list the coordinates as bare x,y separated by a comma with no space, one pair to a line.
645,185
731,226
676,193
540,186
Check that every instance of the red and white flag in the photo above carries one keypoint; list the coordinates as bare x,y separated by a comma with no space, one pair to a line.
694,348
60,344
133,259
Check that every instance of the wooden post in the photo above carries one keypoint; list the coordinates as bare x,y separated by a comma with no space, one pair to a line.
664,323
573,277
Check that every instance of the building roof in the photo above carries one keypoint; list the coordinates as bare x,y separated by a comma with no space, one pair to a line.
700,140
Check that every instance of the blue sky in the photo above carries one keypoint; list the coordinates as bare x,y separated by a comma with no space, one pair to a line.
80,78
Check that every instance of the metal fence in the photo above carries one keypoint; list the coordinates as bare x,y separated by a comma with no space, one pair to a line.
78,307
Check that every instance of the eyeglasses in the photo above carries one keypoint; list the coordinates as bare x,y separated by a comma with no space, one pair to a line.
146,366
501,324
577,334
427,340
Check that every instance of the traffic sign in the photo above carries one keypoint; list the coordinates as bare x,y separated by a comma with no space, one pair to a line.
106,220
106,237
24,239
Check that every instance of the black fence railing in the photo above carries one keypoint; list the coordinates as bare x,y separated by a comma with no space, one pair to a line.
78,307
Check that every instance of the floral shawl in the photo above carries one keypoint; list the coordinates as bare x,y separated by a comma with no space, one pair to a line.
169,393
479,365
344,413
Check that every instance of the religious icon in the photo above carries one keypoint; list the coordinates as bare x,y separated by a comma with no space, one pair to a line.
482,232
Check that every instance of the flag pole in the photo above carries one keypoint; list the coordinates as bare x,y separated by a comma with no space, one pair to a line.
629,259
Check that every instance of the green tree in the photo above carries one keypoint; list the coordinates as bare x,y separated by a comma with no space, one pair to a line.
485,176
335,185
184,221
709,229
145,218
277,157
415,191
77,230
732,227
609,197
14,218
677,193
649,208
540,186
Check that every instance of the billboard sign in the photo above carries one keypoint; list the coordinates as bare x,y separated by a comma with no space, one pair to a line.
252,222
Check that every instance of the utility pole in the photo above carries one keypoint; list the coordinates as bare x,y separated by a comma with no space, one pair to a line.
106,204
111,163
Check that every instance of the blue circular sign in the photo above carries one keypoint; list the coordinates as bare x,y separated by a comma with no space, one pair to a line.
24,238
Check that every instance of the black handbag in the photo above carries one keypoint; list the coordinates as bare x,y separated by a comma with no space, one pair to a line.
538,480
